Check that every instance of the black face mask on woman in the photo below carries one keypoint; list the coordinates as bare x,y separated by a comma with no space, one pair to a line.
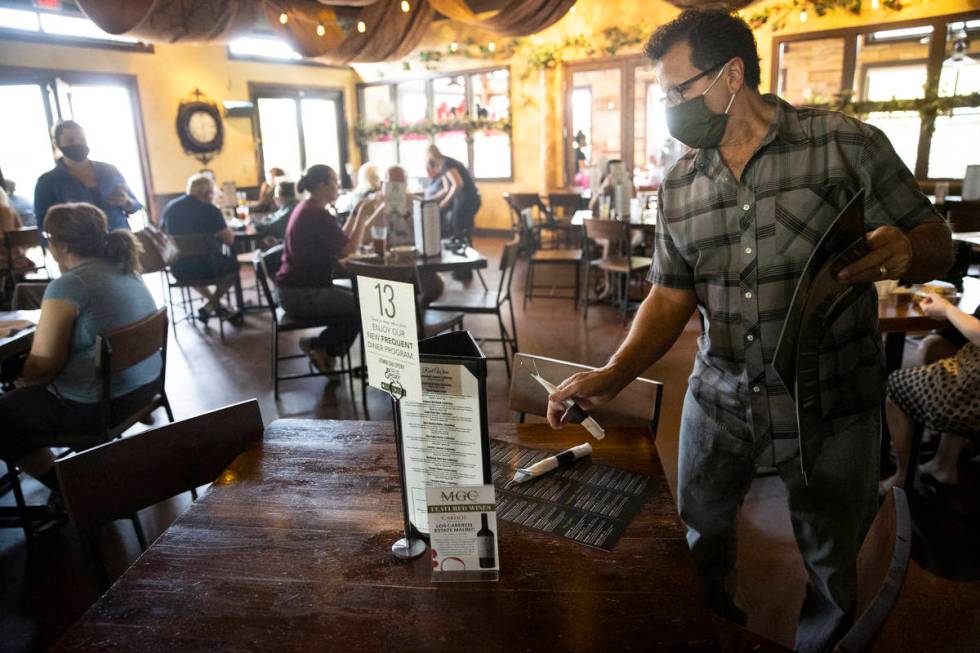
75,152
694,124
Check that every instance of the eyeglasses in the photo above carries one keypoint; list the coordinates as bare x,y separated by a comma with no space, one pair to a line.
676,95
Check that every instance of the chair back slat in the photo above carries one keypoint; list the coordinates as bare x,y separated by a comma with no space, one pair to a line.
116,479
263,263
882,564
508,261
612,230
564,205
27,237
132,344
190,245
637,405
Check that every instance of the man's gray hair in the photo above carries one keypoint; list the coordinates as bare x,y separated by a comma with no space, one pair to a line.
199,183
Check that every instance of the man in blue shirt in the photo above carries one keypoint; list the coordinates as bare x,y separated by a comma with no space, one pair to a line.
192,214
77,179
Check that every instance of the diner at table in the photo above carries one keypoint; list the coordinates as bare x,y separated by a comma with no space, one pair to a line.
757,429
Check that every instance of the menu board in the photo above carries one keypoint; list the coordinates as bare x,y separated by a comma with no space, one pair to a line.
589,503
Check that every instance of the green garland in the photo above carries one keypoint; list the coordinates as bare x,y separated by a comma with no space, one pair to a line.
777,14
389,129
929,106
540,56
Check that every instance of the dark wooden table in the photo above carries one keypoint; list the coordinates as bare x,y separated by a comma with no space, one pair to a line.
290,550
447,261
20,342
635,222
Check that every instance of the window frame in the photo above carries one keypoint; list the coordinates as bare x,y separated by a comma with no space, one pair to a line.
852,71
8,34
48,78
298,92
429,78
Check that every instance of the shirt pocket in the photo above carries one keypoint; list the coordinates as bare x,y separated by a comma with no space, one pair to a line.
802,216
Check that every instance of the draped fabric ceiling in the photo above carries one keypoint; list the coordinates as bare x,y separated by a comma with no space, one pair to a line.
390,33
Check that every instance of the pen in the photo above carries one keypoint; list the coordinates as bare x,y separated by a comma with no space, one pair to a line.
558,461
574,411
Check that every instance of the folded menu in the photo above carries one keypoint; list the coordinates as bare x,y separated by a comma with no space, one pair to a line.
11,327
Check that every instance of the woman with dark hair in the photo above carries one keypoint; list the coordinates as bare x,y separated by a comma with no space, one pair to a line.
99,291
313,247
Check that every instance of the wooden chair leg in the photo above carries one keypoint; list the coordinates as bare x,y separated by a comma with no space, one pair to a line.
528,280
504,339
25,520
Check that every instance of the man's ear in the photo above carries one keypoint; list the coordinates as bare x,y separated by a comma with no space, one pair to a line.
735,75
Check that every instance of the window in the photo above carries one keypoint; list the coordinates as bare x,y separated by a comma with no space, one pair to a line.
466,115
301,127
31,103
60,25
615,112
922,97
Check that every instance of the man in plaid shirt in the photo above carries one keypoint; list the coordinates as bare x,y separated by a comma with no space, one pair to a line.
739,215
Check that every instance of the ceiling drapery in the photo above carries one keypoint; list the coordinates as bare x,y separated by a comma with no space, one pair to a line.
324,29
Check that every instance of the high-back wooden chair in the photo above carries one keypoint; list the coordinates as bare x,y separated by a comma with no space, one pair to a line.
562,206
637,405
117,479
882,564
115,352
485,303
620,262
525,225
429,321
266,265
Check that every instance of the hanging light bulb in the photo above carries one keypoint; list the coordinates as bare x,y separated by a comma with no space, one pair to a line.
454,46
803,16
491,46
572,10
406,7
874,4
321,30
361,27
283,18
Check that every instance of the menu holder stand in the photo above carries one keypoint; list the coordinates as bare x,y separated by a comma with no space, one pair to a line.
410,546
428,228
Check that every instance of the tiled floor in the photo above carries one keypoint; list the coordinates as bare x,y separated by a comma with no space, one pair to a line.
43,591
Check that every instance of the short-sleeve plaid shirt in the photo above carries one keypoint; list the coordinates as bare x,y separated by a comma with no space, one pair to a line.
741,247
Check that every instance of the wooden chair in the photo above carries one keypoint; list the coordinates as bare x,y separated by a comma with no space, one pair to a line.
266,265
881,567
637,405
428,320
27,238
484,303
523,223
620,263
117,479
202,247
561,209
116,351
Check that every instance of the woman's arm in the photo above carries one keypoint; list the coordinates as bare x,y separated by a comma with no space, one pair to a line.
453,183
52,341
939,308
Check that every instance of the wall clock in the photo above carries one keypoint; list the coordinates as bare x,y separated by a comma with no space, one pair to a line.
199,127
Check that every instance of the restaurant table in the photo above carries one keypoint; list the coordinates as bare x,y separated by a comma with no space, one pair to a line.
20,342
290,550
446,261
648,227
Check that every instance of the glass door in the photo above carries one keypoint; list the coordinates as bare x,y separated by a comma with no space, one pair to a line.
299,128
24,123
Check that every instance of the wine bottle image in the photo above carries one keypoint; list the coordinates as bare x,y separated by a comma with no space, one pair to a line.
484,544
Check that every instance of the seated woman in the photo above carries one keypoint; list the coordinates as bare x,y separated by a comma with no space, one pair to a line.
313,247
274,228
942,396
99,291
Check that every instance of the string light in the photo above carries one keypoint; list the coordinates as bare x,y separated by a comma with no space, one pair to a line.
406,7
572,10
283,18
803,16
361,27
321,30
453,46
491,46
874,4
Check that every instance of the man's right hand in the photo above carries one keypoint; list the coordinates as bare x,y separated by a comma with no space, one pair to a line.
588,389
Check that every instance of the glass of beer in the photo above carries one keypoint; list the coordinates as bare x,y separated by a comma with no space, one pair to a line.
379,238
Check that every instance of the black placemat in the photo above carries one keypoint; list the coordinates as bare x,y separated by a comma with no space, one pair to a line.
589,503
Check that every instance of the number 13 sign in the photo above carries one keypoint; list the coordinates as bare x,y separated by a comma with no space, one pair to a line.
391,344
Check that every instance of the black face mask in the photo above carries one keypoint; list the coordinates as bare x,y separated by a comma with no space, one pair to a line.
694,124
75,152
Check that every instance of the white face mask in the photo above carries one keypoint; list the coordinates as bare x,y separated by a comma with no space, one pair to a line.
395,197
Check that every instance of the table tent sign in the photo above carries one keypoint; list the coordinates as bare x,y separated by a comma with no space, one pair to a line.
439,393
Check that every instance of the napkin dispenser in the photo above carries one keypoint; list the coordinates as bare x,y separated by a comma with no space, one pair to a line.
428,228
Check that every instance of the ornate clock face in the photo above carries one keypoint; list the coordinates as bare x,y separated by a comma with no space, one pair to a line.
202,127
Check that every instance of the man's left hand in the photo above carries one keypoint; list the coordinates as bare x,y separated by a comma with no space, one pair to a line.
890,258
